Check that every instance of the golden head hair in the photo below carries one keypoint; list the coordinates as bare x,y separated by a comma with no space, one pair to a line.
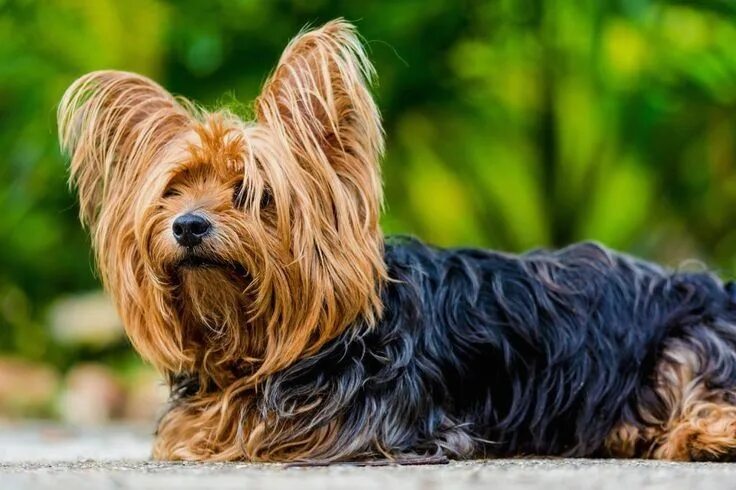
293,199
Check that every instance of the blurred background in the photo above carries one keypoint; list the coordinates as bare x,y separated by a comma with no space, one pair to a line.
511,124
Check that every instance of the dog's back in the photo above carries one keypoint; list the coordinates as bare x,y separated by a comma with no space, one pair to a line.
479,353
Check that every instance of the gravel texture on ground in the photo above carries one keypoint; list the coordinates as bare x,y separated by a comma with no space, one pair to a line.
60,458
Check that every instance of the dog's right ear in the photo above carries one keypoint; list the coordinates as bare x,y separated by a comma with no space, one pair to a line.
112,124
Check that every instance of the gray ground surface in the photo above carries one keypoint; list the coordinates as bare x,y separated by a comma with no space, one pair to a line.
42,456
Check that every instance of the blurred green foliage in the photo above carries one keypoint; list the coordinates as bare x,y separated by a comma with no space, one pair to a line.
511,123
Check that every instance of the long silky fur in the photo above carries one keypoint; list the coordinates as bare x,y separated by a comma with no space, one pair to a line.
307,336
485,354
314,257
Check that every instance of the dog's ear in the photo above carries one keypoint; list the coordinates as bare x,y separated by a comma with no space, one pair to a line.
112,124
317,109
317,101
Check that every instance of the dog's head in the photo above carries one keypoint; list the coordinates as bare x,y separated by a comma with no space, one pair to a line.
229,243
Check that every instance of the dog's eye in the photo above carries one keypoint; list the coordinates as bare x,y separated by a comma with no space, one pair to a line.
170,192
266,198
238,195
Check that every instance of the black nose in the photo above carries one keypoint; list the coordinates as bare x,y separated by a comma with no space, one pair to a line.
189,229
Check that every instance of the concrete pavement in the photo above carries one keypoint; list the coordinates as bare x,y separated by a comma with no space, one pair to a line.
47,456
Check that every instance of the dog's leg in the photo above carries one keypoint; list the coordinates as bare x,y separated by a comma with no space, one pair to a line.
203,427
703,431
225,426
681,417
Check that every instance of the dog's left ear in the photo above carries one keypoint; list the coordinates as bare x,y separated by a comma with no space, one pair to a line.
317,101
316,107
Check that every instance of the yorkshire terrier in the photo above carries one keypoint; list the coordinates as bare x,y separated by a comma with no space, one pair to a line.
247,263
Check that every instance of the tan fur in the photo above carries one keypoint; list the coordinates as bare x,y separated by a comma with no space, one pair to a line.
224,426
294,273
689,421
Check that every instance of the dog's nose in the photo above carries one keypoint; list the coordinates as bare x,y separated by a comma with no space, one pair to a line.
189,229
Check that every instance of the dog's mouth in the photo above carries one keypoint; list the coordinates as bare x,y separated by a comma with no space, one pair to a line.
194,261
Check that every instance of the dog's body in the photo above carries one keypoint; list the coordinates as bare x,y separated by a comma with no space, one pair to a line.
484,354
248,265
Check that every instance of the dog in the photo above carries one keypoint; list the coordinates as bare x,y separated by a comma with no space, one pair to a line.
248,265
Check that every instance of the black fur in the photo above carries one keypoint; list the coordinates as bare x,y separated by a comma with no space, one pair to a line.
480,353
